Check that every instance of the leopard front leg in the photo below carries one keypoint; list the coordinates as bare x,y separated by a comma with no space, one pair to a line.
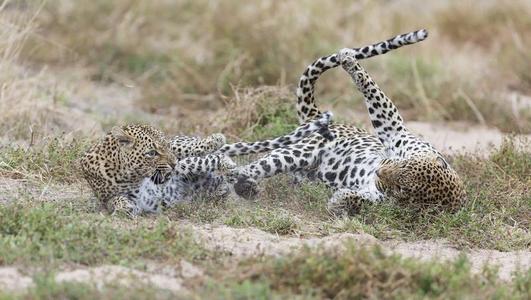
184,146
349,202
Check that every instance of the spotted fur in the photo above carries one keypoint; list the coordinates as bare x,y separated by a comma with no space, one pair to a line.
123,158
119,165
393,164
187,146
192,177
318,126
199,176
137,169
306,107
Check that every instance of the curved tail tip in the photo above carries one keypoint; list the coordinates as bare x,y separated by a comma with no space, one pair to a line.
328,115
422,34
346,54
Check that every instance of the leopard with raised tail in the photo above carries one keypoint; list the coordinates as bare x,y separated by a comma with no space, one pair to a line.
358,166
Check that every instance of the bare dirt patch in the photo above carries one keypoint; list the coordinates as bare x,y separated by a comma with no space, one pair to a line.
12,190
12,280
461,137
102,275
250,242
171,279
254,242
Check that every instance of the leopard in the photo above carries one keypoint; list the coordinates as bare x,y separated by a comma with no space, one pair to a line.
392,164
136,169
116,166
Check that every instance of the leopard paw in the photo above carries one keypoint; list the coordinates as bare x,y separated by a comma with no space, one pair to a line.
246,188
227,164
215,141
123,206
344,203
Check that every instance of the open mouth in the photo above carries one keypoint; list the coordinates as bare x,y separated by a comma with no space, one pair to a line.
159,177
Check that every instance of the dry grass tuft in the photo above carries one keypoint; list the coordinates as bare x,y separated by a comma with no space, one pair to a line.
490,24
502,28
257,113
187,56
32,102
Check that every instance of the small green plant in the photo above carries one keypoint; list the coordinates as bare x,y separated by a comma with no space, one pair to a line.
49,233
47,288
242,290
359,273
54,160
274,221
273,121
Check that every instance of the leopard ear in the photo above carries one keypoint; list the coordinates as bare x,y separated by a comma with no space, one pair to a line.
442,162
122,137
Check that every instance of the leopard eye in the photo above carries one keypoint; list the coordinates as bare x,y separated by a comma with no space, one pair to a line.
152,153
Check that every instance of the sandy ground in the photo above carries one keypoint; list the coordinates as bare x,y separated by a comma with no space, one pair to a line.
459,137
13,280
250,242
451,137
238,243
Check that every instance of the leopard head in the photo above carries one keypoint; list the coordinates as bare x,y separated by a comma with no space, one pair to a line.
421,180
126,156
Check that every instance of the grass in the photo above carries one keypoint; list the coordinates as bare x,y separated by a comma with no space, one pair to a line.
466,25
357,273
368,273
434,90
496,215
256,114
236,213
54,160
52,234
278,222
47,288
502,26
199,56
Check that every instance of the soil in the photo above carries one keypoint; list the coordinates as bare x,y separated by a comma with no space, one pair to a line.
250,242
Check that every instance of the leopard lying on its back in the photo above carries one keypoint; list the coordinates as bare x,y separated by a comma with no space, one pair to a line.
359,166
135,168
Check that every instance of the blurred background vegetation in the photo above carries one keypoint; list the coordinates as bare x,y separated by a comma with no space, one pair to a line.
200,66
